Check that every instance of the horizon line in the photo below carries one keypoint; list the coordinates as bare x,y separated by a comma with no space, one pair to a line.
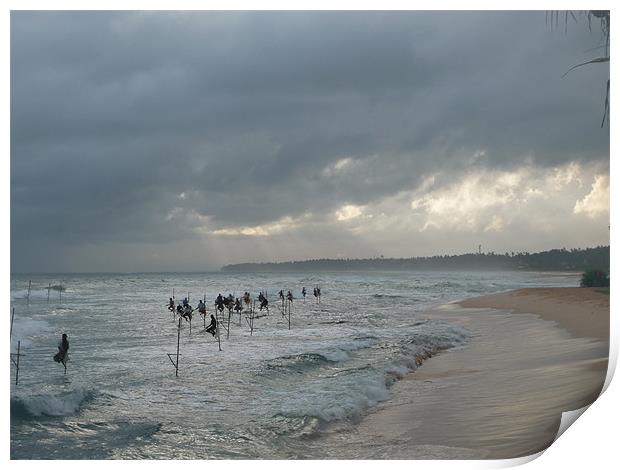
220,269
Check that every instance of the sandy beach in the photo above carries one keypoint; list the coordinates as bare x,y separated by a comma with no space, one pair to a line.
584,312
533,354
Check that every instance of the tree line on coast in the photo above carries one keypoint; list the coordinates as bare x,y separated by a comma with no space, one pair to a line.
576,259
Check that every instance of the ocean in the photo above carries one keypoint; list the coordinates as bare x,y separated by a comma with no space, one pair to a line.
273,393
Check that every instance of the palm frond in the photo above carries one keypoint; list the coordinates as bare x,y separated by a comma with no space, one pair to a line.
606,111
593,61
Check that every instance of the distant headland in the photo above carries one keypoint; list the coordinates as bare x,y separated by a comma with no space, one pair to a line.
576,259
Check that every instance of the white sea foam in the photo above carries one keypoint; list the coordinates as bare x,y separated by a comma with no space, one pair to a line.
346,390
33,406
337,361
340,401
25,329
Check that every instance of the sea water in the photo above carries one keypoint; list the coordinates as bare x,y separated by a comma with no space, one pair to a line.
270,393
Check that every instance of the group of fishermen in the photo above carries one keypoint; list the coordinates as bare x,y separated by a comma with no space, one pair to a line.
230,302
185,310
234,303
289,295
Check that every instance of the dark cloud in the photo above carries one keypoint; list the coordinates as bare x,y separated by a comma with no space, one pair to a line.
115,115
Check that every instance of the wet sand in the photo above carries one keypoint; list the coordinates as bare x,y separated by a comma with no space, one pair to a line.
533,354
582,311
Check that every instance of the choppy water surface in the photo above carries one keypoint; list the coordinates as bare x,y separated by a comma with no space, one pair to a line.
272,394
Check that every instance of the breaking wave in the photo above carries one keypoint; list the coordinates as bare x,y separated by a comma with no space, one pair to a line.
348,389
312,359
297,362
48,405
388,296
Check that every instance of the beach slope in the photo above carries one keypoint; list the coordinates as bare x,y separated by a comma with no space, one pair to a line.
584,312
532,354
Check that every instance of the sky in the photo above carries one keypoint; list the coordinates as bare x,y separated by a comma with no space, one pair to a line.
183,141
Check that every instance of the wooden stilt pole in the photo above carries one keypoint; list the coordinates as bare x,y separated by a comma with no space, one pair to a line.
250,321
28,297
49,288
12,316
217,330
17,364
290,305
176,366
228,329
15,360
204,317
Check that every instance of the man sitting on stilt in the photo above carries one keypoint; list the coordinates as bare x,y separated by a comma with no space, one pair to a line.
63,349
212,328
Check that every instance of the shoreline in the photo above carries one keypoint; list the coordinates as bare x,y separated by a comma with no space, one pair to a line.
533,354
583,311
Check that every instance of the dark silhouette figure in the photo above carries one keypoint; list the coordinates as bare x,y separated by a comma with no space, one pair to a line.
63,349
264,303
212,328
187,312
219,302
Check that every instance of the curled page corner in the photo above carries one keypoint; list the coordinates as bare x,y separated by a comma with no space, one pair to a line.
517,461
612,363
568,418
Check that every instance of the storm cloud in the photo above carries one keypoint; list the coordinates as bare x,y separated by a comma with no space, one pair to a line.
185,140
